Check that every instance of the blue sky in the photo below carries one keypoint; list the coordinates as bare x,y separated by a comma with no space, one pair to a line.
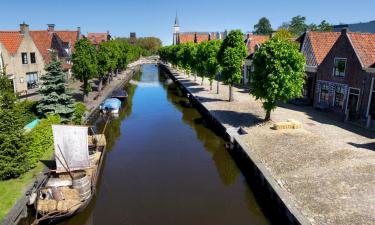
155,18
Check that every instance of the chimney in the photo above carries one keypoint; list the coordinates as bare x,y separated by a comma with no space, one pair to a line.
51,27
344,30
24,28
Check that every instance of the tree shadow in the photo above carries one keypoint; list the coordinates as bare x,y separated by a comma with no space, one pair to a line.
78,96
196,90
329,118
205,99
368,146
237,119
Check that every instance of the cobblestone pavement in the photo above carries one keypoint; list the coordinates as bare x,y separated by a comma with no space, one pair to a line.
327,168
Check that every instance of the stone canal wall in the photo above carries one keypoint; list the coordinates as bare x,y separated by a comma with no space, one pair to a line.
251,166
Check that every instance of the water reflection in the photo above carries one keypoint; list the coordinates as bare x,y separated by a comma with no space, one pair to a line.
164,166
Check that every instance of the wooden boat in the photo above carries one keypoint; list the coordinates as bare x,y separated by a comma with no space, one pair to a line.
120,94
69,189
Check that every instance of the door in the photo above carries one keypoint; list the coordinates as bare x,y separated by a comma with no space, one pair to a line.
353,100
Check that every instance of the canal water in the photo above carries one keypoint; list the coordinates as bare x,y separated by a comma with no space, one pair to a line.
164,166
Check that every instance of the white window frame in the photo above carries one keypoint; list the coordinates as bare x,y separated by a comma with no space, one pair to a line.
334,97
320,91
334,66
359,95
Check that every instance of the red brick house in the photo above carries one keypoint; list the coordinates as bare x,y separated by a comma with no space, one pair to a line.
97,38
315,46
345,77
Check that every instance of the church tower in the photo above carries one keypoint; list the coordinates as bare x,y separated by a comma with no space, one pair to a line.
176,31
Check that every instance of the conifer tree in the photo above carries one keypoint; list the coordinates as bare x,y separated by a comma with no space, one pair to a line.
56,98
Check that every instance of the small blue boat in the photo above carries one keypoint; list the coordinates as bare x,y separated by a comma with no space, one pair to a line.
111,105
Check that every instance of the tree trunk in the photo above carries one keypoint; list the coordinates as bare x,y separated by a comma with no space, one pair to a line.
202,80
195,76
211,84
100,85
268,115
231,98
116,72
85,92
217,86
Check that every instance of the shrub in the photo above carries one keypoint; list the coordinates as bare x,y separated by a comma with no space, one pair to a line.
26,111
13,145
41,139
79,111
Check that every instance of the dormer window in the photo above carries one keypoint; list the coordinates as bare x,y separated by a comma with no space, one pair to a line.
24,58
339,67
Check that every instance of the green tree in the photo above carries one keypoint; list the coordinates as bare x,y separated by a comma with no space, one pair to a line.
279,73
13,145
231,55
56,99
201,59
263,27
212,65
325,26
7,96
283,34
298,25
104,59
85,64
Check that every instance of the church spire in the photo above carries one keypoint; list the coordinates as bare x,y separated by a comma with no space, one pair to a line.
176,22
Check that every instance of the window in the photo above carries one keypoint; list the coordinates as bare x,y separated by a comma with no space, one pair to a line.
339,67
339,97
32,80
24,57
32,57
324,93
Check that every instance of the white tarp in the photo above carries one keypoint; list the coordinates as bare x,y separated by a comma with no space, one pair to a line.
71,144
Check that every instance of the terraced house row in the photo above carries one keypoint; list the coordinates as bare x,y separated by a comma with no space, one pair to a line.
24,53
340,72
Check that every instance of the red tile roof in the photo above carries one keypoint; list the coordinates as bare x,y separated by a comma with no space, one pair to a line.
254,41
364,44
11,40
317,45
201,36
97,38
43,41
68,37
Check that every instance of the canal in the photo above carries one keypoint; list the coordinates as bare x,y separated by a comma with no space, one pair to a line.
164,166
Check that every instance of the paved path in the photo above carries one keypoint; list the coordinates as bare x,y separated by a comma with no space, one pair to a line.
327,168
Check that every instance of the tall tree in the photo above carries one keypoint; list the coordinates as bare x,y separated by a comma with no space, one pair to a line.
104,59
298,25
212,65
325,26
56,99
231,55
7,96
263,27
13,143
279,73
283,33
85,64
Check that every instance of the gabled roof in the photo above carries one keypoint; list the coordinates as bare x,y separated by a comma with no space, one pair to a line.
43,41
200,36
364,45
97,38
316,46
11,40
254,40
70,37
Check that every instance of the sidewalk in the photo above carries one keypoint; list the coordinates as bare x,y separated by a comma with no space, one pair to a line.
327,168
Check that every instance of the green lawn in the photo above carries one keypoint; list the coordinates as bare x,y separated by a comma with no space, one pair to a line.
12,190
